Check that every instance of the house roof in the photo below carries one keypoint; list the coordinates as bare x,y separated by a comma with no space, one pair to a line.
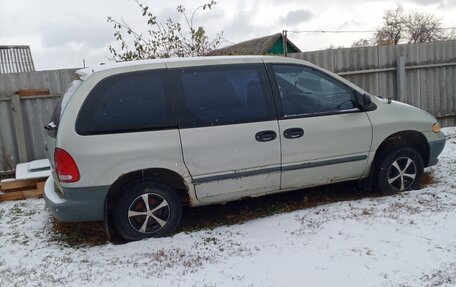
257,46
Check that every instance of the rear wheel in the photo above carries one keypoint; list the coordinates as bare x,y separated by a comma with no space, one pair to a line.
147,209
399,169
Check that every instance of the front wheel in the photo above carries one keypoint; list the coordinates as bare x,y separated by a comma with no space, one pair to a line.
399,169
147,209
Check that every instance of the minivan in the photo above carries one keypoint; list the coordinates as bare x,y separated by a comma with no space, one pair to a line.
132,143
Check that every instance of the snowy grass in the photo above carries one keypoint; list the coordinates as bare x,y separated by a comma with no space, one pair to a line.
341,238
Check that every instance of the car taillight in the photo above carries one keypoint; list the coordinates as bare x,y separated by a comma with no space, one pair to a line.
66,168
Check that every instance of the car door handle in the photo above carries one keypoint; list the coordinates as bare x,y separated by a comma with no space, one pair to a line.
293,133
265,136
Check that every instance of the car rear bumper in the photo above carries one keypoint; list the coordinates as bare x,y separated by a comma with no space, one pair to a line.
77,204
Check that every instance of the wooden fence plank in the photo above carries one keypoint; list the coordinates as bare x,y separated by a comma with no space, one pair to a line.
32,92
19,128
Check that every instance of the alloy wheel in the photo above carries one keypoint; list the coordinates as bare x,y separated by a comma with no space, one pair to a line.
402,173
148,213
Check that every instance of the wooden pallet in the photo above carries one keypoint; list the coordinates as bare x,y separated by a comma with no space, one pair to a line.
18,189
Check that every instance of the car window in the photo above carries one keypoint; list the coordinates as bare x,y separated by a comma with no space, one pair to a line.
61,103
306,91
218,95
126,103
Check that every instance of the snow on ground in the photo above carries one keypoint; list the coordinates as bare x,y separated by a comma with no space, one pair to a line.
407,239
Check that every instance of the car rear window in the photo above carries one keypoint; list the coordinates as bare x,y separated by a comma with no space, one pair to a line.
128,102
60,107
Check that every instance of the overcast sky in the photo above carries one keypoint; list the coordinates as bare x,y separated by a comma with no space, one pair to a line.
63,33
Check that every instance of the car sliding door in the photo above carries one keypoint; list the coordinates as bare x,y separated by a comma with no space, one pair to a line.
325,137
228,128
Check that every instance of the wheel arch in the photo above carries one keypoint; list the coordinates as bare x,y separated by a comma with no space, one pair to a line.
410,138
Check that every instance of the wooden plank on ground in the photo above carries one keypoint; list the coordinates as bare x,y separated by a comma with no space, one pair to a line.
21,194
40,186
18,189
15,195
33,193
13,185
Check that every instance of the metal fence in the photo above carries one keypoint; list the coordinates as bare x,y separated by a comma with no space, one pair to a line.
423,75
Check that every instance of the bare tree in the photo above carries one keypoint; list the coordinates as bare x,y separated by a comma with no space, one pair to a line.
393,28
423,27
163,40
362,43
413,27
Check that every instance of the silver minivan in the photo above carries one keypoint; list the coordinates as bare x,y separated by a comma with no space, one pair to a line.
131,143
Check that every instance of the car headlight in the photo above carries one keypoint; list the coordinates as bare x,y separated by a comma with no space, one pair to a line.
436,127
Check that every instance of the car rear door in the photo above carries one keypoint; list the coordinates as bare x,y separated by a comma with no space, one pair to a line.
325,137
228,129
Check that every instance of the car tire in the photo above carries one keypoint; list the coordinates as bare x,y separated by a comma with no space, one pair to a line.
147,209
398,169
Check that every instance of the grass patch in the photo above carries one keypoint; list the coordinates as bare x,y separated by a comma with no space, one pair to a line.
209,217
17,209
427,179
79,234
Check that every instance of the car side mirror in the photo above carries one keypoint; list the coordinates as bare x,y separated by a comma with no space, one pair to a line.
365,102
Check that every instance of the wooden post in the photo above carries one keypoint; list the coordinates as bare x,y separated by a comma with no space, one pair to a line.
19,128
401,83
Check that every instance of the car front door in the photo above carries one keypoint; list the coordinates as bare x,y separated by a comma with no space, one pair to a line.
229,130
325,138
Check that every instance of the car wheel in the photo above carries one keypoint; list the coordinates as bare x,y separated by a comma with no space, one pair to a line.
398,170
147,209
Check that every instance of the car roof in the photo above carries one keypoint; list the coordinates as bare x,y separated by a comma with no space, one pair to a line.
186,62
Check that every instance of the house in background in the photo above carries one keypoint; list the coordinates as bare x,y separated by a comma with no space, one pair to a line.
16,59
268,45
